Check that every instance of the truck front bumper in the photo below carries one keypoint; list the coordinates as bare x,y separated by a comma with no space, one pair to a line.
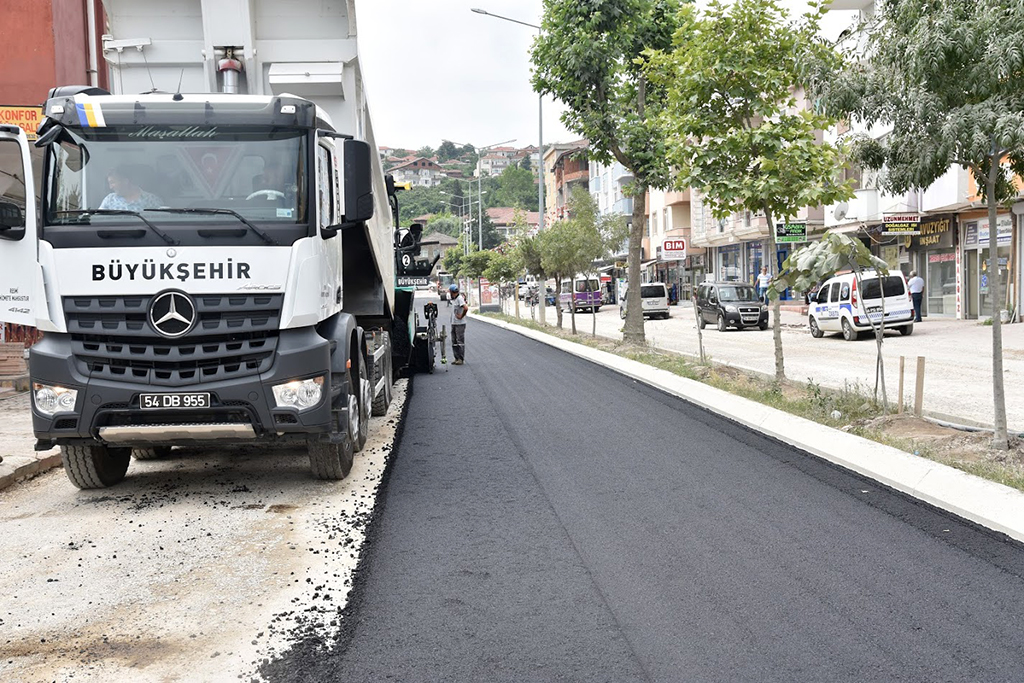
241,410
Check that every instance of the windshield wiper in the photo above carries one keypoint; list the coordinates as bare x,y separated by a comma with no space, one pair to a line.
227,212
120,212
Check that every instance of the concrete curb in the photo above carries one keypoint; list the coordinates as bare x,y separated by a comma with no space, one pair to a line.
983,502
14,468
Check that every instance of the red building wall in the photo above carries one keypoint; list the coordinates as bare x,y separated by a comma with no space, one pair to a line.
43,43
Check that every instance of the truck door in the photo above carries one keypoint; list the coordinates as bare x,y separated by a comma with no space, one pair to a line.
18,248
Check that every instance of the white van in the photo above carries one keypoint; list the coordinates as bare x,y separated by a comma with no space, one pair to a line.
839,307
653,300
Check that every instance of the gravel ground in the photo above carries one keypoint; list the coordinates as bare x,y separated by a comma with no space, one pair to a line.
958,353
196,567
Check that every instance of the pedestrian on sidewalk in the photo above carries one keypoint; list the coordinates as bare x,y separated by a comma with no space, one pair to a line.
763,280
458,322
916,286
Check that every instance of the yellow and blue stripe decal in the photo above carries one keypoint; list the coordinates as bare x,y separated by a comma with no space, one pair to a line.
90,114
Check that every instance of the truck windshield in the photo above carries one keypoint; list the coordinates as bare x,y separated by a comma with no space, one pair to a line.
257,173
737,293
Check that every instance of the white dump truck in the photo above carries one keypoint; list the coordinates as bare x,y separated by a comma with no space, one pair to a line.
211,256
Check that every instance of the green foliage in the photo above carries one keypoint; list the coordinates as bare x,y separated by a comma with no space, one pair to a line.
530,255
821,260
732,121
504,267
589,56
476,263
948,76
452,260
446,224
516,188
447,151
425,152
419,201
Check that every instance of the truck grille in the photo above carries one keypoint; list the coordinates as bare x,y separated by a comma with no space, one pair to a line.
235,336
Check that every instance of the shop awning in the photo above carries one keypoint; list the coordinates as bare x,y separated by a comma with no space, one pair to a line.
647,264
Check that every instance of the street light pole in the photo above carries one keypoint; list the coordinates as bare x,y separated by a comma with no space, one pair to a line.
540,156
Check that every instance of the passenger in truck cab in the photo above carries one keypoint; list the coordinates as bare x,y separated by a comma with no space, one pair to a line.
126,194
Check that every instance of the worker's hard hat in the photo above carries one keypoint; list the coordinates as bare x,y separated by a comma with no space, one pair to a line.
453,288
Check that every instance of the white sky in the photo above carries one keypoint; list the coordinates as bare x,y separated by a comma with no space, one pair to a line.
434,70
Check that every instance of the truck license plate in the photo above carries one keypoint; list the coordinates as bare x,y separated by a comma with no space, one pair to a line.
172,401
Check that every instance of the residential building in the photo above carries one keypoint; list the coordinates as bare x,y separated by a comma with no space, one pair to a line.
492,164
503,218
951,252
434,244
565,167
418,171
669,217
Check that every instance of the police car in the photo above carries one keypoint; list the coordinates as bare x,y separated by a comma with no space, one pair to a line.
842,306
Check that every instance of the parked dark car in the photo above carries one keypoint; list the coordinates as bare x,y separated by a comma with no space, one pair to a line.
730,304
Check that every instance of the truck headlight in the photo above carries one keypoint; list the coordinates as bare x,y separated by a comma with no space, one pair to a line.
301,393
731,309
50,400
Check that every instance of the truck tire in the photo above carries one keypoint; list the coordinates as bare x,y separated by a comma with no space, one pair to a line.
816,331
95,467
330,461
382,370
151,453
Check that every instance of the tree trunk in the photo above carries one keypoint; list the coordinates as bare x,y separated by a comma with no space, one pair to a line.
515,295
700,333
780,365
572,309
558,299
879,331
633,331
1000,439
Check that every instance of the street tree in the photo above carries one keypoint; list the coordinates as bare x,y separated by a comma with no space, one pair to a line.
735,127
570,247
822,259
589,56
948,77
504,268
452,260
446,224
474,264
530,252
596,236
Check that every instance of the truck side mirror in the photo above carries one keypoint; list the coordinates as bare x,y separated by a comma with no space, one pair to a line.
12,221
358,181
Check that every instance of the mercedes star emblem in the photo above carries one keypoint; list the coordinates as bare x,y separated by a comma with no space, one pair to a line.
172,314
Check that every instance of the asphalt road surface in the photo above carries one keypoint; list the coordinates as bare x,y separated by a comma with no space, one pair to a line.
958,355
547,520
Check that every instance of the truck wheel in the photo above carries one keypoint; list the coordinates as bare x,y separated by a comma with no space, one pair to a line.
815,330
701,323
382,370
907,330
94,467
330,461
151,453
849,334
722,325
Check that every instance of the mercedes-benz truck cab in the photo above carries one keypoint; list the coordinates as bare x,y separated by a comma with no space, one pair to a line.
197,263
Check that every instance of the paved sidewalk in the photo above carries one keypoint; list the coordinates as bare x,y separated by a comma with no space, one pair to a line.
958,357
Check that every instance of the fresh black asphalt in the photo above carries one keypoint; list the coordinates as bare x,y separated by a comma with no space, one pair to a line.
549,520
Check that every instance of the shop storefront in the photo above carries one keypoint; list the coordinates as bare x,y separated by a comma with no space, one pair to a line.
755,259
934,255
977,273
729,266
